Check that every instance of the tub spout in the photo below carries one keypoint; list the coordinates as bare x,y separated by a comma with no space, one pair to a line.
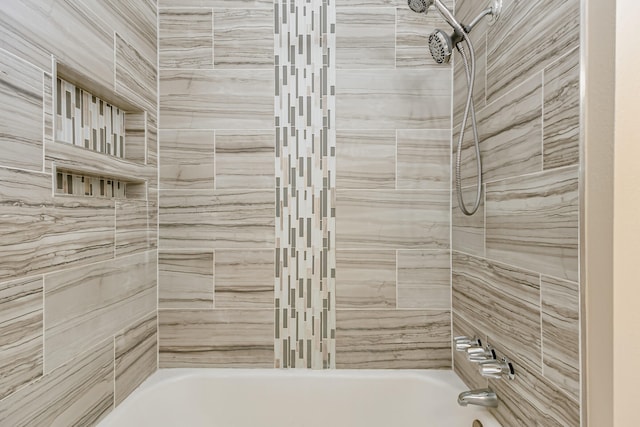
481,397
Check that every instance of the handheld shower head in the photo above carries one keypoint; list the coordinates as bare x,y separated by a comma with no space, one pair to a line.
441,45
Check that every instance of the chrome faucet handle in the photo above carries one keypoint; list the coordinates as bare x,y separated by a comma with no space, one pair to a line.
480,354
497,369
463,343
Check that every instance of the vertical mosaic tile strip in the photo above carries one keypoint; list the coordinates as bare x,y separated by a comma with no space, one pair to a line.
91,186
87,121
305,183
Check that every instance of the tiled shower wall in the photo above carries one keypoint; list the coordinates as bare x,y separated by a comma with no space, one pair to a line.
304,186
77,274
515,263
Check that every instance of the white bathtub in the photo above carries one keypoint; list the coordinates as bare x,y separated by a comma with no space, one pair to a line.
299,398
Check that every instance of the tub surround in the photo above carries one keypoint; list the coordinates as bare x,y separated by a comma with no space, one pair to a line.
77,274
515,263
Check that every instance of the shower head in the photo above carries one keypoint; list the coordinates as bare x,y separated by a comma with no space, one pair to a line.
440,46
420,6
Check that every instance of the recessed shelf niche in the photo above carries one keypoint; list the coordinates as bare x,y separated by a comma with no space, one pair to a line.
84,184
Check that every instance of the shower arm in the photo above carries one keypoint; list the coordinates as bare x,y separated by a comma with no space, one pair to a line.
476,21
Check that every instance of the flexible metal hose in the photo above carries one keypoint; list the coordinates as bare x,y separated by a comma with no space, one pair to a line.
469,107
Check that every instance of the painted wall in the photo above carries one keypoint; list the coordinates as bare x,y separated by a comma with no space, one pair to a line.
515,263
77,274
304,196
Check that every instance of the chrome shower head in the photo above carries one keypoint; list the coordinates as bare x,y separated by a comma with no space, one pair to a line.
440,46
420,6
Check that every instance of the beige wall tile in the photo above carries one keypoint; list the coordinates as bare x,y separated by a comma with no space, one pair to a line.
152,209
393,99
244,279
42,233
365,159
424,159
530,399
187,159
532,222
366,279
21,106
186,38
510,131
33,33
78,393
85,305
393,339
245,159
216,338
365,38
392,219
243,38
562,112
185,279
200,99
217,219
136,76
424,279
132,232
136,133
468,232
561,334
553,24
228,4
136,355
501,300
21,330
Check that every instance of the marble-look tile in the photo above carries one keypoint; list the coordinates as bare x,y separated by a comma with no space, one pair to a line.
187,159
40,233
412,38
185,279
392,219
68,29
460,88
152,209
244,279
510,133
562,112
132,225
200,99
136,76
365,38
424,159
135,128
136,355
21,350
552,27
466,370
217,219
243,38
467,232
424,279
365,159
79,393
152,146
502,301
393,339
21,106
135,20
186,38
245,159
530,399
222,4
532,222
393,99
216,338
366,279
561,334
85,305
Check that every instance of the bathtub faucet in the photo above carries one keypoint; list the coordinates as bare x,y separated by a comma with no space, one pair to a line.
481,397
